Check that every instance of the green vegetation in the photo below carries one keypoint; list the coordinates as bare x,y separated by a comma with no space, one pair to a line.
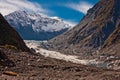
10,47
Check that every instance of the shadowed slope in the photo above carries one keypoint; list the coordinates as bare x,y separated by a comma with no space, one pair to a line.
8,36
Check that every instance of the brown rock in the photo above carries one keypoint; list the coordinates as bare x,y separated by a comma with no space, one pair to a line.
8,36
100,28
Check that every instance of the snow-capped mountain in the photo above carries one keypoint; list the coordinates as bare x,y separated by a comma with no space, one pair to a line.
36,26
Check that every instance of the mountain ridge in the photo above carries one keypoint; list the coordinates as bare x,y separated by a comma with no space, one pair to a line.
93,32
35,26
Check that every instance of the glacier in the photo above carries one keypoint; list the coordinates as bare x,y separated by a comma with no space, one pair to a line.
57,55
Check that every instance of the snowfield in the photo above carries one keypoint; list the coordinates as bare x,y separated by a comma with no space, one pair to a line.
31,25
57,55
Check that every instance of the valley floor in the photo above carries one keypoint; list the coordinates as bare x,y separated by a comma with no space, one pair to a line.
44,66
37,67
106,62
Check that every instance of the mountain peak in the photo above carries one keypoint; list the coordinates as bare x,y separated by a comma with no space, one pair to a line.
36,26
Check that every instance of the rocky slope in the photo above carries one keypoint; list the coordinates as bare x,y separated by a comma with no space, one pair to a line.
37,67
4,60
36,26
18,65
8,36
97,31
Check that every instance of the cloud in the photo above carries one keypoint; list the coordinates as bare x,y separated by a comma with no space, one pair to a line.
81,6
8,6
70,22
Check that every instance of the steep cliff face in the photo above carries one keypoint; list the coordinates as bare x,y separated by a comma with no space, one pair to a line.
98,29
8,36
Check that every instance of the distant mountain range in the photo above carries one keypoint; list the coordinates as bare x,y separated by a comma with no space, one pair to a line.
36,26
